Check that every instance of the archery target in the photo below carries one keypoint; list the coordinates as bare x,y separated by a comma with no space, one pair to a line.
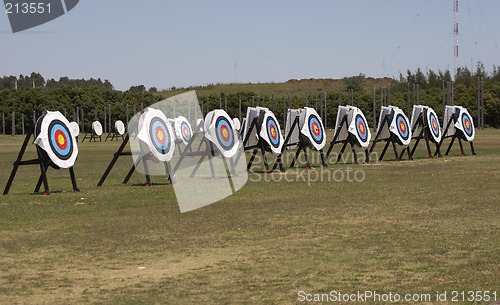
120,127
183,129
270,132
97,128
74,128
237,124
400,126
465,124
313,128
433,125
358,127
341,134
54,136
157,134
221,132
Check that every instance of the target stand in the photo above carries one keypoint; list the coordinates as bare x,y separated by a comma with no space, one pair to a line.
393,128
425,126
459,126
95,134
262,134
118,132
223,137
51,133
304,130
351,129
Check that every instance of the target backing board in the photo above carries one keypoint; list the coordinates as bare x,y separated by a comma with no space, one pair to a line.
312,128
400,126
270,131
449,113
157,134
464,123
252,113
183,130
358,127
417,111
221,132
291,115
341,134
53,135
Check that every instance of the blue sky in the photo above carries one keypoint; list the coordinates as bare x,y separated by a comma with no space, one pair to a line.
184,43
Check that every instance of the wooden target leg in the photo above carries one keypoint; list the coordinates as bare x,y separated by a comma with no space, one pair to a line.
129,175
449,147
472,149
414,148
383,151
295,157
39,182
198,164
118,153
438,151
395,150
212,155
308,164
323,158
354,155
43,176
146,169
252,158
17,163
73,180
280,163
367,155
461,147
339,157
266,165
429,153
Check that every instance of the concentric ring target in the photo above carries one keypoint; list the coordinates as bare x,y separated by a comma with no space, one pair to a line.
159,135
402,126
273,132
224,133
186,132
434,124
467,124
60,140
361,128
317,133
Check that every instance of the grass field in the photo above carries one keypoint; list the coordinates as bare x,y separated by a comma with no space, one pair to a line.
409,227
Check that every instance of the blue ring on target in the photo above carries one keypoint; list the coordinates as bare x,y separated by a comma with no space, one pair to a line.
434,122
318,138
467,119
185,127
271,124
225,140
360,121
400,120
60,140
161,145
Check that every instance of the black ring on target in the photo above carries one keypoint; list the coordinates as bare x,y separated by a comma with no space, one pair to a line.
224,133
361,128
273,132
402,126
60,140
315,129
158,133
467,124
434,124
185,131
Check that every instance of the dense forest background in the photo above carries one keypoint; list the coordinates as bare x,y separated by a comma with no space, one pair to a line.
28,96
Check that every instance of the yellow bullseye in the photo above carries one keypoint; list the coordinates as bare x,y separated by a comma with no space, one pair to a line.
61,140
225,133
160,135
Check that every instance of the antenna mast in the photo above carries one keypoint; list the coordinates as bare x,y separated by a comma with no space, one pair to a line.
455,30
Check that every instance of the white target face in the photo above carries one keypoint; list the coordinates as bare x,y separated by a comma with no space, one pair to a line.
359,128
237,124
465,124
270,132
400,126
221,132
74,128
433,125
313,128
157,134
53,135
120,127
183,130
97,128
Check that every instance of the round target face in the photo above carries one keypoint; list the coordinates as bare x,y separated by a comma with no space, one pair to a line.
402,126
467,124
185,132
273,132
315,129
361,128
160,137
224,133
60,140
434,124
